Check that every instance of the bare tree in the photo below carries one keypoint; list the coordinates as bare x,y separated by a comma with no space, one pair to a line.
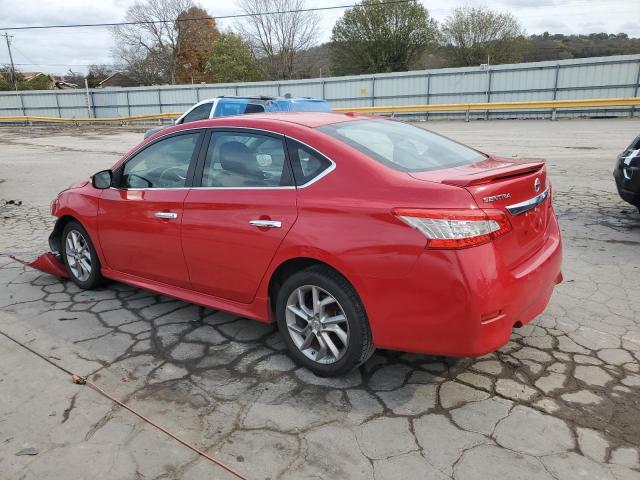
278,38
474,34
150,46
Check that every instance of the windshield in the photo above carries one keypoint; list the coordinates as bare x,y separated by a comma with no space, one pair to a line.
402,146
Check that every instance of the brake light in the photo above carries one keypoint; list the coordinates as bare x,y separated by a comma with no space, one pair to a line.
453,229
54,206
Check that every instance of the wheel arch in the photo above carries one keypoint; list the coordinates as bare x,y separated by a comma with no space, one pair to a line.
56,234
289,267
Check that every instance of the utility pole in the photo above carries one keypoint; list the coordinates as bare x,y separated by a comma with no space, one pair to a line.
13,67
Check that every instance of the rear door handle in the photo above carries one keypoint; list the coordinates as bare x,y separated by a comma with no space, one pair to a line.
265,223
166,215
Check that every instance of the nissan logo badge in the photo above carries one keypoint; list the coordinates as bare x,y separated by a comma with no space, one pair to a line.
536,184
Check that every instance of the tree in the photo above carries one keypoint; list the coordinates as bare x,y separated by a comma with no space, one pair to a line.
233,61
74,78
149,46
6,78
36,82
278,38
196,39
381,37
98,73
478,35
314,62
559,46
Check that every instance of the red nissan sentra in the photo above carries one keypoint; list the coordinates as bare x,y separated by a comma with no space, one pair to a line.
350,232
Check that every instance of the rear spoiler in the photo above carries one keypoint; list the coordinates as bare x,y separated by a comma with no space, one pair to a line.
500,173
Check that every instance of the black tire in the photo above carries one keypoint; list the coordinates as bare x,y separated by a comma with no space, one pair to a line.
360,343
95,278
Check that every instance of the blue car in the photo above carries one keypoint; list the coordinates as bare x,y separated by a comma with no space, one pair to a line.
226,106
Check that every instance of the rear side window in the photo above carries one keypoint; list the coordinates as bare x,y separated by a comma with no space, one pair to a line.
245,160
236,106
201,112
253,108
307,164
402,146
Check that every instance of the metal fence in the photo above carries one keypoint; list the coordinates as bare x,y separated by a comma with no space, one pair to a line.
600,77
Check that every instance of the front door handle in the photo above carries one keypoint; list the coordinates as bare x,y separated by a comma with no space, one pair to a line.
166,215
265,223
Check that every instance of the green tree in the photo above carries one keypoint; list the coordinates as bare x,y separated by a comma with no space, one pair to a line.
381,37
558,46
98,73
478,35
40,82
6,79
233,61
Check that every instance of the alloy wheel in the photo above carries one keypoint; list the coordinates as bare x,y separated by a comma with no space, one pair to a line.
317,324
78,255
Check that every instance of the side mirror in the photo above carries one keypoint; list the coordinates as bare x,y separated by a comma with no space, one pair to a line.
102,180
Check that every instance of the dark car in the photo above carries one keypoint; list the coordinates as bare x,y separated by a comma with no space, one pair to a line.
627,173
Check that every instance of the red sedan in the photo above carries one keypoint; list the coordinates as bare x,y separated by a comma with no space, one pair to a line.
350,232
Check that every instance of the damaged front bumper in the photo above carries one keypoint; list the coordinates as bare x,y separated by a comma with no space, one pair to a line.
49,262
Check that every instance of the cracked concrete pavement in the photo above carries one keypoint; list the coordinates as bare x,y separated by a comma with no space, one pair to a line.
560,401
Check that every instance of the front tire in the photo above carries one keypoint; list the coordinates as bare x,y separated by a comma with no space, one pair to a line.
80,258
323,322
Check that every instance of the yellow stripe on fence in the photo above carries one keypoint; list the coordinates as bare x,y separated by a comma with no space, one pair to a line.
134,118
451,107
463,107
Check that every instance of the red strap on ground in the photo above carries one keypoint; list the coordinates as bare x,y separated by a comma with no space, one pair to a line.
83,381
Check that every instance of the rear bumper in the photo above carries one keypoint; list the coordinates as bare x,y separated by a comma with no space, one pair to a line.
465,302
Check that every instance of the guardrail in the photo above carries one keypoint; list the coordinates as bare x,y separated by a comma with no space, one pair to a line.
135,118
552,105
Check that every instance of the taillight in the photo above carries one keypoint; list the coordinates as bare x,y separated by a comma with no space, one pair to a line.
54,206
456,228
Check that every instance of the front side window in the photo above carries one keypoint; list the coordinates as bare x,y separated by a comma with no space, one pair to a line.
245,160
402,146
163,164
201,112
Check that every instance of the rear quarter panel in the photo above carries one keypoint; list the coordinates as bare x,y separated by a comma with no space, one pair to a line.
345,220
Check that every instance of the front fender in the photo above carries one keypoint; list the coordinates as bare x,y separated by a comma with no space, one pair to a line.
81,205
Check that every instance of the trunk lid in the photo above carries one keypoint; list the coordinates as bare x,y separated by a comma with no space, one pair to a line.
519,188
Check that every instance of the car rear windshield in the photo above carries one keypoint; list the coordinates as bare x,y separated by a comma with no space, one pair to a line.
402,146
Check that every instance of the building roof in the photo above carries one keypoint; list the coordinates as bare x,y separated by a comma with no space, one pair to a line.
28,76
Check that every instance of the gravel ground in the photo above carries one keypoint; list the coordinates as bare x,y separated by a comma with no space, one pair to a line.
560,401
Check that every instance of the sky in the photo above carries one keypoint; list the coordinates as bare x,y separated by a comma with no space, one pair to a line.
57,50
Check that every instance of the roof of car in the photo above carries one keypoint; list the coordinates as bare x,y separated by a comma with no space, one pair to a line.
275,120
307,119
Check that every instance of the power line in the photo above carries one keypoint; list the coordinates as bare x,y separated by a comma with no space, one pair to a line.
220,17
59,64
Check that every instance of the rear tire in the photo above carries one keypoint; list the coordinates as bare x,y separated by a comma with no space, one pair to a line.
323,322
80,258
